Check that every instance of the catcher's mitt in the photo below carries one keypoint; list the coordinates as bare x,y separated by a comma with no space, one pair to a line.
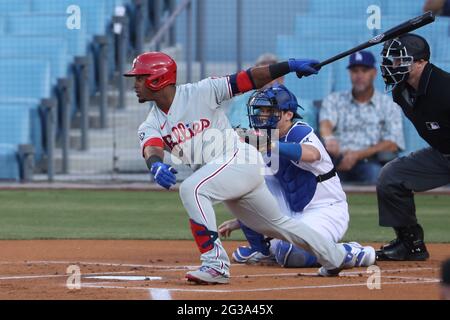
257,138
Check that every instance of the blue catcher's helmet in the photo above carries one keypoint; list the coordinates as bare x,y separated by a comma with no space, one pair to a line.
265,107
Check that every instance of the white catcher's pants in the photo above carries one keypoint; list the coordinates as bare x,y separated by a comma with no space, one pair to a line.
330,221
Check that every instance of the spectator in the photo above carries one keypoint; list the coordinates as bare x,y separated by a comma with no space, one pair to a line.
362,128
438,7
445,284
237,111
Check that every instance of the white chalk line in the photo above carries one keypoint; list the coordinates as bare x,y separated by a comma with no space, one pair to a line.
160,294
132,265
168,268
344,273
96,286
27,277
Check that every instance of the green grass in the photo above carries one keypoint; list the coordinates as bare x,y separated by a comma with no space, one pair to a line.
74,214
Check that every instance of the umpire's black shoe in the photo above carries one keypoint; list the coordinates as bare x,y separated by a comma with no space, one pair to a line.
409,246
398,250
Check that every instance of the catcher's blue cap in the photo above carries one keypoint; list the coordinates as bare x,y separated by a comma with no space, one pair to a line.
362,58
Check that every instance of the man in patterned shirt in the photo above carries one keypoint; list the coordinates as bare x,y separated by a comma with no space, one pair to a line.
362,128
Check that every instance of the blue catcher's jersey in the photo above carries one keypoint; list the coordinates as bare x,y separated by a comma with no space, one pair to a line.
298,179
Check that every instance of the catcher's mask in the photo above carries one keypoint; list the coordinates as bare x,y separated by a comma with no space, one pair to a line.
398,56
265,107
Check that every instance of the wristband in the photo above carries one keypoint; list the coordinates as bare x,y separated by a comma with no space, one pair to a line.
279,69
151,160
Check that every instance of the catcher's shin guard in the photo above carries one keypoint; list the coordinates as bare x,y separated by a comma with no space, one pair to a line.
203,237
256,240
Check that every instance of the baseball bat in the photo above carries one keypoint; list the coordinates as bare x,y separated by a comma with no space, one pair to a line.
392,33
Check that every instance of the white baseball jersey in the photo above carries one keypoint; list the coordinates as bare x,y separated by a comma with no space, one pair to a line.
193,124
300,189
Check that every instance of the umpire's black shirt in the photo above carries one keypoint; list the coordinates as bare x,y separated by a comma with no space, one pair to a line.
428,108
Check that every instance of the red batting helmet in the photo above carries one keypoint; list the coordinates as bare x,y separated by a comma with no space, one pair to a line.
160,68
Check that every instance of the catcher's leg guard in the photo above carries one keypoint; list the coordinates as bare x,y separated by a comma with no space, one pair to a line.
290,256
203,237
256,240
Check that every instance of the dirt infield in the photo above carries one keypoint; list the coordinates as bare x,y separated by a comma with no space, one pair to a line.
37,270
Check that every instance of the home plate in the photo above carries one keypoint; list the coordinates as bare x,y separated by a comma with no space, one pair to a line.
125,278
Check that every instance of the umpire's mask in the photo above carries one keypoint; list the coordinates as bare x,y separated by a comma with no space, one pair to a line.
398,56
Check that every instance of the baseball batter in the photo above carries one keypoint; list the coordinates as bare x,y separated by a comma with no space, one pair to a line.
305,185
187,121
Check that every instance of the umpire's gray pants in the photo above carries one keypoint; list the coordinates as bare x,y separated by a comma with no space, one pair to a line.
422,170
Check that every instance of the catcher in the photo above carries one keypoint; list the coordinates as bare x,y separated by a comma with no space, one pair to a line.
305,184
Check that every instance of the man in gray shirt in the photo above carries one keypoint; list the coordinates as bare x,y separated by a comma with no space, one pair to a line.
362,128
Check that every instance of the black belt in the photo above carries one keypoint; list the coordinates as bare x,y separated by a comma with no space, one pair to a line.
326,176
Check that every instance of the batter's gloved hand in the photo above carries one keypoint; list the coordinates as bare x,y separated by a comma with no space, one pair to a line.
303,67
164,174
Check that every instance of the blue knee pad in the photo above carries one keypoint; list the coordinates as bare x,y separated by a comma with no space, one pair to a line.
256,240
290,256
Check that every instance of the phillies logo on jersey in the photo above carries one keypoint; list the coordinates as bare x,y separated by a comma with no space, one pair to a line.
182,132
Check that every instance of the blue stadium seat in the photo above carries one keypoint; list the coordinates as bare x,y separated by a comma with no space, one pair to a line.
405,8
54,25
35,127
26,82
354,8
25,78
92,12
2,25
319,49
14,131
51,49
332,28
310,47
444,65
315,87
10,6
309,113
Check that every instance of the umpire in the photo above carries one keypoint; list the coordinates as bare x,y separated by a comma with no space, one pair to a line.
423,92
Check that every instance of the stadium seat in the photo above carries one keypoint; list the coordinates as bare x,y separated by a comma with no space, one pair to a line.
11,6
444,65
14,131
309,113
315,87
2,25
405,8
354,8
332,28
35,128
25,78
92,12
54,51
55,25
26,82
320,49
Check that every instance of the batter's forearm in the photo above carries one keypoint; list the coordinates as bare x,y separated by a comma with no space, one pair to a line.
265,74
152,155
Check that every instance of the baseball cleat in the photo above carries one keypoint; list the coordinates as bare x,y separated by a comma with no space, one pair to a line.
365,255
357,256
398,250
207,275
251,256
